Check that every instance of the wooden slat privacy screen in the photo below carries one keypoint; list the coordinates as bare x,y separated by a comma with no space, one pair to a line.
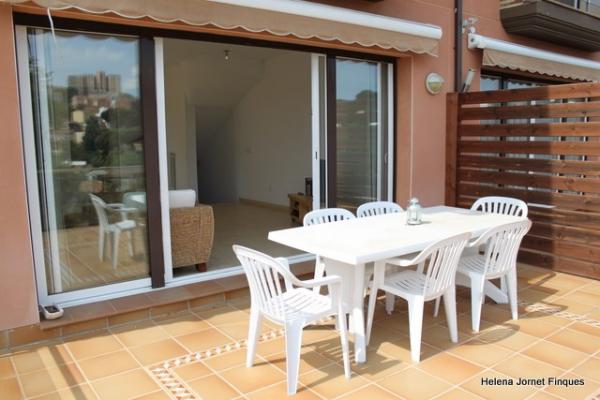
540,145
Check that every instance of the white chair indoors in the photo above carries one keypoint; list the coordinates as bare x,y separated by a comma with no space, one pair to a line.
279,296
114,230
377,208
498,260
324,216
433,278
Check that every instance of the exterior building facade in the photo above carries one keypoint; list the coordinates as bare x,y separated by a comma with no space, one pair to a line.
410,126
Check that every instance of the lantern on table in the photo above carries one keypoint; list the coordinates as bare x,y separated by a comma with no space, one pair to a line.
413,212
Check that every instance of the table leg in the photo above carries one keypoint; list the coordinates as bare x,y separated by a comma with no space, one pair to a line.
358,314
353,289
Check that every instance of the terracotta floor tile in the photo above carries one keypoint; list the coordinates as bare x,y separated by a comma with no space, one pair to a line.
125,386
439,336
269,347
229,359
544,396
203,340
576,340
507,337
520,366
496,392
481,353
248,380
379,366
9,387
80,392
589,369
51,380
400,350
279,391
583,297
159,395
574,391
535,327
192,371
412,383
214,388
330,381
560,356
450,368
458,394
40,357
371,392
6,368
140,333
585,328
92,345
108,364
182,325
158,351
223,315
309,361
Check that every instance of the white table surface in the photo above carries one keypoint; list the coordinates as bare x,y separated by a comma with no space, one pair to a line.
346,246
375,238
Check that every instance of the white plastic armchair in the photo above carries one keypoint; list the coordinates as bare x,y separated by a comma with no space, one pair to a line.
324,216
377,208
501,205
292,304
434,278
498,261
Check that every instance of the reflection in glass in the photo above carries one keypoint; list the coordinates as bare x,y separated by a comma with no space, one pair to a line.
89,149
357,132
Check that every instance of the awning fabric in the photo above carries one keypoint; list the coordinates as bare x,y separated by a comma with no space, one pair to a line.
503,54
298,18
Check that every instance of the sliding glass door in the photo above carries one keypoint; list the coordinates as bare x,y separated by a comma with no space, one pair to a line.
353,139
85,156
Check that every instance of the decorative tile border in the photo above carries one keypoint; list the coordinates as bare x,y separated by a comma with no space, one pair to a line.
558,312
164,373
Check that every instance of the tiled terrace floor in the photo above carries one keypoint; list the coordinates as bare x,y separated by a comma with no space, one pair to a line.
200,354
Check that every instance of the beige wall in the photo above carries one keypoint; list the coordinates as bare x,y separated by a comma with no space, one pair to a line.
17,285
420,144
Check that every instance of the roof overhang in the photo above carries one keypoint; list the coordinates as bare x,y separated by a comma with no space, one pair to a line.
302,19
503,54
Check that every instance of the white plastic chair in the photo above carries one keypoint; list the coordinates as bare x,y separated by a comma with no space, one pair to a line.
324,216
433,278
113,229
290,304
377,208
501,205
499,260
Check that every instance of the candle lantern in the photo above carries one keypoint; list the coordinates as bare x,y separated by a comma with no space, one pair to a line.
413,212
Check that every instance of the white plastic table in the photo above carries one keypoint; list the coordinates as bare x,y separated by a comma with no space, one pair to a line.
346,246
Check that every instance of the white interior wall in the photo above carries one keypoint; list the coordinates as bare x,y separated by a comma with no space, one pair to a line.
251,117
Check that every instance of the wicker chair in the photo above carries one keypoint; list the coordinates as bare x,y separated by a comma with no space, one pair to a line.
192,233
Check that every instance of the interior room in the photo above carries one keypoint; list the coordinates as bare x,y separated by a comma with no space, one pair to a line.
238,122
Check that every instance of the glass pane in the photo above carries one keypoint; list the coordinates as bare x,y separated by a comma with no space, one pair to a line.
357,124
90,159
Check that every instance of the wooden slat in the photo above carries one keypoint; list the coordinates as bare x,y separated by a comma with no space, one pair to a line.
562,264
568,233
472,191
589,185
569,91
545,129
452,106
562,248
588,168
588,220
572,110
525,147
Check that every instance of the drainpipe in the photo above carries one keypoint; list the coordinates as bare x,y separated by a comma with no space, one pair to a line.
458,16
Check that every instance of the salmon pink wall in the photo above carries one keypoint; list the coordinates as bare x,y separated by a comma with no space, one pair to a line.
17,284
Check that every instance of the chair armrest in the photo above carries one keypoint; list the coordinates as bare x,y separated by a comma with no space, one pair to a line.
312,283
401,262
284,262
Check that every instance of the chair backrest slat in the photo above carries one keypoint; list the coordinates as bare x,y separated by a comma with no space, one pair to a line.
377,208
501,205
502,246
327,215
441,262
265,275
